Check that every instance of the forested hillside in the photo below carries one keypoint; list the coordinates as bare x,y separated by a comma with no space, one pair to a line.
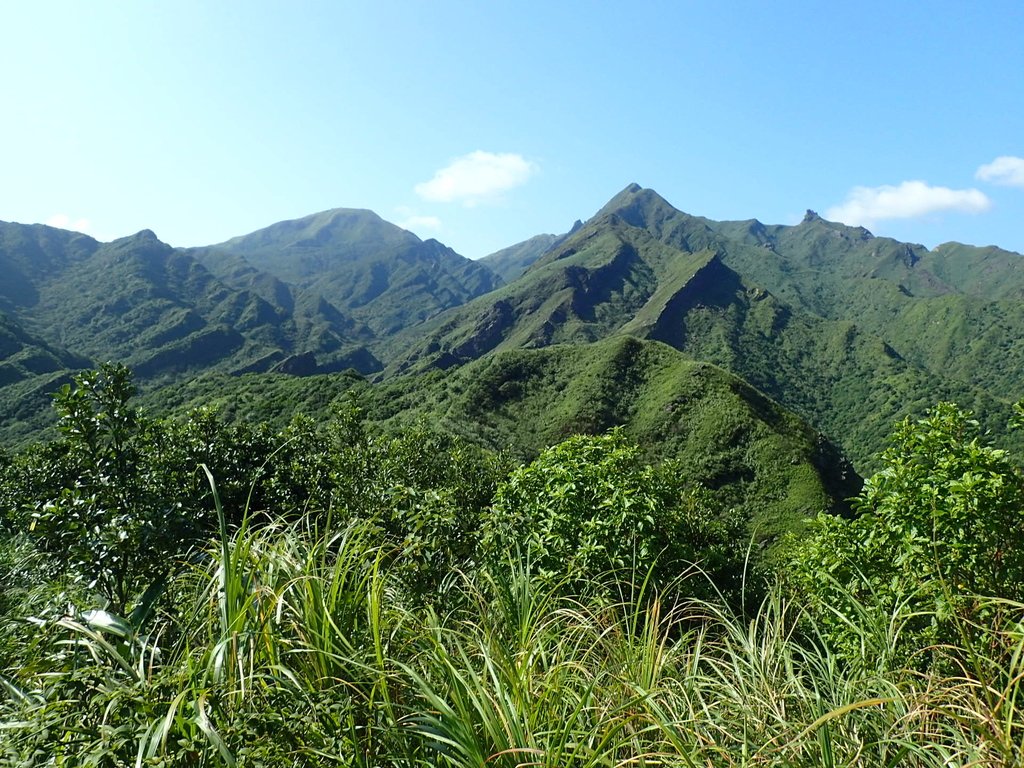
201,591
342,497
822,317
722,433
849,331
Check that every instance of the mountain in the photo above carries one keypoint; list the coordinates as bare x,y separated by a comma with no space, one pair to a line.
316,295
820,316
30,369
139,301
756,455
510,263
955,311
849,330
372,271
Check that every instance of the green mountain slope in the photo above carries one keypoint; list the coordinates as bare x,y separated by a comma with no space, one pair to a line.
30,369
804,313
139,301
510,263
31,254
955,311
849,330
727,435
23,355
371,270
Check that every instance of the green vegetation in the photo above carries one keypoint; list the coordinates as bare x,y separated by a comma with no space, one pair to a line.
592,508
510,263
758,458
937,527
193,592
374,272
848,330
68,302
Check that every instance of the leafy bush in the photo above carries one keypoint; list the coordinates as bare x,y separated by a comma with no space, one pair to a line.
590,506
99,510
937,526
118,499
426,493
296,643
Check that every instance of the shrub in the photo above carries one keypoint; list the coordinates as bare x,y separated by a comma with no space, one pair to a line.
937,526
99,511
590,506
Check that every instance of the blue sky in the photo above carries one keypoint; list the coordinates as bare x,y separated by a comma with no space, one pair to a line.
484,123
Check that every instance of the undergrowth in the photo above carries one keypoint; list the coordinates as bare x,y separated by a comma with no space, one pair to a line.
288,645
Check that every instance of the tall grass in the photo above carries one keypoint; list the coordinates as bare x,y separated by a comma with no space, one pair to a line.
289,645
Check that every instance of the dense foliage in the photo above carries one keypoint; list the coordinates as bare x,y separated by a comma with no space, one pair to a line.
120,497
721,433
590,507
328,594
939,525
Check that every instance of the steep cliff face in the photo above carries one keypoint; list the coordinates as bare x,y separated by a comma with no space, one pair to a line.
713,286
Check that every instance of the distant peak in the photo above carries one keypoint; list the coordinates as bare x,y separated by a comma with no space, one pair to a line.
632,203
334,214
627,195
142,236
811,216
331,228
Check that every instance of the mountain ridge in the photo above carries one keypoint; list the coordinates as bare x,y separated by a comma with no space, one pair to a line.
822,317
765,311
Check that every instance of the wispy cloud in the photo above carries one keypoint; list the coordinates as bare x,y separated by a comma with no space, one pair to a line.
477,177
420,223
1006,170
866,205
63,221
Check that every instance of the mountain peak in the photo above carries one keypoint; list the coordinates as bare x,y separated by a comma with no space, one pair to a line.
810,216
625,197
635,204
337,229
145,238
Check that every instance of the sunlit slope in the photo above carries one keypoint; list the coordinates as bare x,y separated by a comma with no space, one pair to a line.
842,345
725,434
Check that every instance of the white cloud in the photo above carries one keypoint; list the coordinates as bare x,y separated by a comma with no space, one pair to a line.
420,223
63,221
1006,170
866,205
477,177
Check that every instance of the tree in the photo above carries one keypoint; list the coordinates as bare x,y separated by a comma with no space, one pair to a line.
99,513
